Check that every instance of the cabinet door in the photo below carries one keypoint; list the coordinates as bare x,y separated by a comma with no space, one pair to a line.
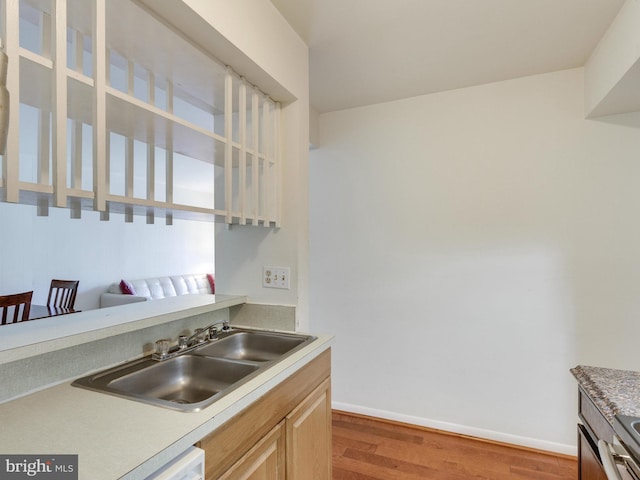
265,461
309,436
589,467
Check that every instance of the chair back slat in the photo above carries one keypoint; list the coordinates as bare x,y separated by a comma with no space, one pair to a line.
62,293
16,303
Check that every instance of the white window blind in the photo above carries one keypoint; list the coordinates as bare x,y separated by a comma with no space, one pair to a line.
114,111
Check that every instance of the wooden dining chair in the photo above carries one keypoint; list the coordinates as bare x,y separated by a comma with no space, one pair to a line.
16,302
62,293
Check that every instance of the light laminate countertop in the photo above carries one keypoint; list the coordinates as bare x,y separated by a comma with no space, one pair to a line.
116,438
27,339
612,391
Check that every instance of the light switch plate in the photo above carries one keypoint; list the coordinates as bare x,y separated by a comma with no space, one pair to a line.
276,277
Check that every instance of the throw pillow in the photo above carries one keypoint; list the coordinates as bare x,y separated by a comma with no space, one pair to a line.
127,288
212,282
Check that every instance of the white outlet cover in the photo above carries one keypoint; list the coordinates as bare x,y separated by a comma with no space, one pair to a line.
276,277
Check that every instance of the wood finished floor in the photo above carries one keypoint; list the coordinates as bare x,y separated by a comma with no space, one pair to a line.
369,449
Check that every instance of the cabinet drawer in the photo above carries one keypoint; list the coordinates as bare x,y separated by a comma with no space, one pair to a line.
594,420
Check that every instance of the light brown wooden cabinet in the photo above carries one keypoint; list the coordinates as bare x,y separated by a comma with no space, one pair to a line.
309,437
286,433
265,461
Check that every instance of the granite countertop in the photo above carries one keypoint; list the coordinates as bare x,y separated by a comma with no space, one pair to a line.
613,391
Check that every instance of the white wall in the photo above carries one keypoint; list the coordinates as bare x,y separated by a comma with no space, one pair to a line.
33,250
468,248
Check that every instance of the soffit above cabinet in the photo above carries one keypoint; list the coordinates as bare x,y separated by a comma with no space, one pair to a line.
612,73
185,20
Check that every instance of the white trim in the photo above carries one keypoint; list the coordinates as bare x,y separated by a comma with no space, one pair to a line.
460,429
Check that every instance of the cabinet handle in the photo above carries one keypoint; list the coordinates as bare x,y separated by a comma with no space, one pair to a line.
608,461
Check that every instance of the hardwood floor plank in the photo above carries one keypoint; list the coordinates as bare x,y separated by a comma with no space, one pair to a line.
343,443
520,473
340,474
449,448
568,467
379,461
379,431
373,449
376,471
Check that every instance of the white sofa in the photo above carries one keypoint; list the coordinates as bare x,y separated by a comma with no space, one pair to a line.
154,288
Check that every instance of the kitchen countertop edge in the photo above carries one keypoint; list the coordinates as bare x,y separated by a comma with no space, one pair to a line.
28,339
612,391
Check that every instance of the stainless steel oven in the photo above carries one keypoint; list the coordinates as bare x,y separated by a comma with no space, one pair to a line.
621,459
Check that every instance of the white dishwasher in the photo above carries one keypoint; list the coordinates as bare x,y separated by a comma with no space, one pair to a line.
187,466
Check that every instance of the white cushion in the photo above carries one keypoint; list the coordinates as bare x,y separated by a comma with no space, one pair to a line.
180,285
162,287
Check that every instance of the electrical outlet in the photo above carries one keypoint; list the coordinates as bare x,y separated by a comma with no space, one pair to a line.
276,277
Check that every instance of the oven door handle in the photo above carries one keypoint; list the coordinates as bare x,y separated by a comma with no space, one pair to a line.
608,458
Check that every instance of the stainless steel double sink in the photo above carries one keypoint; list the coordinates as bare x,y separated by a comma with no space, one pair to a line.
192,381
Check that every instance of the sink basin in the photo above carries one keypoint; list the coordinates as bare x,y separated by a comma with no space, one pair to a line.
186,382
252,346
195,379
185,379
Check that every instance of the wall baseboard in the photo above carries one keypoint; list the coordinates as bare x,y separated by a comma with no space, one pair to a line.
481,433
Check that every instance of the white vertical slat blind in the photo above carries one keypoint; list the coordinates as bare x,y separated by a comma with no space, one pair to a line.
10,161
176,113
44,117
228,148
151,152
59,103
274,165
268,150
99,104
169,158
255,115
242,161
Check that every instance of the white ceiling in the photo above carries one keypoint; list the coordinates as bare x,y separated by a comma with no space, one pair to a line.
370,51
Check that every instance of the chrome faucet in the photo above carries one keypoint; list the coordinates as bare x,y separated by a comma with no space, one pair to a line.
210,332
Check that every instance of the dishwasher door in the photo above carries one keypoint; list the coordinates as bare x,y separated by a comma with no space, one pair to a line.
616,460
187,466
